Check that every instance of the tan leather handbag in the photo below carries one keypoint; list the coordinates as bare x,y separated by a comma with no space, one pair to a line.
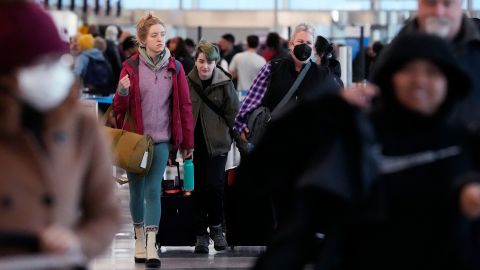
132,152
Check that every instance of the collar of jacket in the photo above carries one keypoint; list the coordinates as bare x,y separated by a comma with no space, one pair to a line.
134,61
220,77
165,56
468,32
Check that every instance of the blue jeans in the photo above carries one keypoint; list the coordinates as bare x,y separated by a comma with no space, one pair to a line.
145,192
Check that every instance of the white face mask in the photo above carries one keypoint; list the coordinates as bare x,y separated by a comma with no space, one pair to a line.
44,86
439,26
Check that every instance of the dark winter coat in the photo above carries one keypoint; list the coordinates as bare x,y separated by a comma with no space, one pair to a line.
400,218
223,94
324,169
412,218
422,163
405,216
112,54
317,81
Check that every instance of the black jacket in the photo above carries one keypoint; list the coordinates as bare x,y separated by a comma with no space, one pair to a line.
405,216
315,162
385,199
316,82
291,149
412,219
416,221
112,55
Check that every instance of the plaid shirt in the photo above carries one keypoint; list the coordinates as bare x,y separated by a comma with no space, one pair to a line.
254,97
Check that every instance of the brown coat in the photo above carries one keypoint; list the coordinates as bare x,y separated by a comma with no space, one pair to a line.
68,182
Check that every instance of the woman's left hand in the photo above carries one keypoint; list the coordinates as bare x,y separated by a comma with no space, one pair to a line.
56,239
470,200
187,153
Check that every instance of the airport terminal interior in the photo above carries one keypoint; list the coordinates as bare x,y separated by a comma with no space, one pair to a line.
343,37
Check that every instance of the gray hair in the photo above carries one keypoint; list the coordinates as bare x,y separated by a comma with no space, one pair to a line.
111,33
303,27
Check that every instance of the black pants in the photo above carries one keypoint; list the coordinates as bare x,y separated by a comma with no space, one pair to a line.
209,190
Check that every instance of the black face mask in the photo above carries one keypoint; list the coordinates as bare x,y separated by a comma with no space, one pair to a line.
302,52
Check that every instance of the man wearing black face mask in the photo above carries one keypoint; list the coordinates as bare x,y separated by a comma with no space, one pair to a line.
277,77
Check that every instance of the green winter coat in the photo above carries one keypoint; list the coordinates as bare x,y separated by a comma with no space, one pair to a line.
223,94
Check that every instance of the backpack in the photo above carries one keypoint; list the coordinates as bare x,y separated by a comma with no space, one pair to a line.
99,77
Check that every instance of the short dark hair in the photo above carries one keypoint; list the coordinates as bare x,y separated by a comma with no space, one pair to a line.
229,37
189,42
252,41
322,45
129,42
181,50
273,40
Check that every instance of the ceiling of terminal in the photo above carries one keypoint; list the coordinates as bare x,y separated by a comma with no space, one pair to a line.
254,4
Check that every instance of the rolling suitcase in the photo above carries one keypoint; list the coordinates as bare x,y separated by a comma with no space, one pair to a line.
176,226
177,222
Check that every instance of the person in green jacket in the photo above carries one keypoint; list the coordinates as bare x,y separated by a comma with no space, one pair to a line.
214,105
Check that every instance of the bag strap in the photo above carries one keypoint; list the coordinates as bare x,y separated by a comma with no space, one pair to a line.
214,108
293,88
127,116
107,113
177,67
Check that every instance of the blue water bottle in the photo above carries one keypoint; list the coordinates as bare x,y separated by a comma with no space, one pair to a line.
188,181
